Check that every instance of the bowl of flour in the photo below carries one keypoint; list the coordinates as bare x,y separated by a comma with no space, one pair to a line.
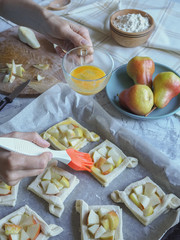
131,27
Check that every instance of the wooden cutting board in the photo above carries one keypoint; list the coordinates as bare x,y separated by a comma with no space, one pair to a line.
12,48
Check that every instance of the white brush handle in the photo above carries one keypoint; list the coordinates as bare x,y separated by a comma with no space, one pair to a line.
28,148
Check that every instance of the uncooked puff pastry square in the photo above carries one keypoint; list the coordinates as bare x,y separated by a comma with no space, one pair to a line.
69,134
109,162
100,221
11,194
146,200
54,185
20,221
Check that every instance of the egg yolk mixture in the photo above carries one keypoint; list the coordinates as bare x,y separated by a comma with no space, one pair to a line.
88,73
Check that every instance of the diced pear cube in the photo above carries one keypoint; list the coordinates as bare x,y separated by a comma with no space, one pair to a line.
11,228
115,156
106,168
44,185
70,126
110,160
108,235
39,77
139,189
4,185
105,223
96,156
54,132
16,219
65,182
78,132
6,78
57,183
64,141
154,200
148,211
41,66
93,228
12,78
13,67
103,151
63,128
101,230
93,218
100,162
74,141
47,175
52,189
19,71
24,235
70,133
103,211
149,189
144,200
135,200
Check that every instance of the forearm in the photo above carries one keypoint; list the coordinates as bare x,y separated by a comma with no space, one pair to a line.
24,12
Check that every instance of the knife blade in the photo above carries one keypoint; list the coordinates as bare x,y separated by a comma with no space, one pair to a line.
13,95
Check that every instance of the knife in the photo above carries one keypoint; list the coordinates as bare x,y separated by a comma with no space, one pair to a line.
13,95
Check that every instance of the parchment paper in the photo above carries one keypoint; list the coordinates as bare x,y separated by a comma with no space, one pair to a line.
61,102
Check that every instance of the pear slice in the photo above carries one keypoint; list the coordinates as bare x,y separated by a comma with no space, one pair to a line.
27,36
39,77
93,218
96,156
47,175
101,230
93,228
144,200
103,151
148,211
52,189
138,189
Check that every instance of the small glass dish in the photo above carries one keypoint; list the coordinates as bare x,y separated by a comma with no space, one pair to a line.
87,70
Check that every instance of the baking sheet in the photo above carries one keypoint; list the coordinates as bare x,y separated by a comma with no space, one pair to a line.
57,104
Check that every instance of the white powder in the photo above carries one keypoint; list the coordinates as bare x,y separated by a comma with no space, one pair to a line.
132,23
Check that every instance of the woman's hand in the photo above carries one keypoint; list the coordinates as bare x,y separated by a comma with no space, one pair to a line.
15,166
64,33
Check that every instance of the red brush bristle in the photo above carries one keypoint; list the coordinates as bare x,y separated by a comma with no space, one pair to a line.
80,161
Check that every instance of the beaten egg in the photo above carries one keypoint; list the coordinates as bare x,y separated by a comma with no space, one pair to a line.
88,77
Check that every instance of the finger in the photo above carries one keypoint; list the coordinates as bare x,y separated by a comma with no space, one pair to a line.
82,31
14,177
30,136
18,161
76,38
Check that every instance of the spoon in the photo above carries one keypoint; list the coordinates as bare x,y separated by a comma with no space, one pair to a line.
58,4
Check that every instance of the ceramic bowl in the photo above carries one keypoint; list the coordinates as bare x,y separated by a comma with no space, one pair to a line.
131,39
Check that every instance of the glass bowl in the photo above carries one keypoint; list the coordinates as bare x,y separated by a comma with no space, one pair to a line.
87,70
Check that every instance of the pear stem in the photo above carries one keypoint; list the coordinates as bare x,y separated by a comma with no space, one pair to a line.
151,111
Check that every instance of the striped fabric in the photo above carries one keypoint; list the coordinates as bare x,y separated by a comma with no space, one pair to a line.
164,44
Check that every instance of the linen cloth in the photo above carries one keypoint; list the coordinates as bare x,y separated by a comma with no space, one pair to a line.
163,46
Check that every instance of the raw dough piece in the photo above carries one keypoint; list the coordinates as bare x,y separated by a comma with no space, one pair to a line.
69,134
47,231
83,209
167,201
10,199
103,149
56,206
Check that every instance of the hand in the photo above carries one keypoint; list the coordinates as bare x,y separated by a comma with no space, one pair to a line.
65,34
15,166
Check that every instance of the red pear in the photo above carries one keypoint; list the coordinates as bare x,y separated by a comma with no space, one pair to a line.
138,99
166,86
141,70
